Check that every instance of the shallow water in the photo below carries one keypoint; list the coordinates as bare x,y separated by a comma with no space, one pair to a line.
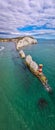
20,91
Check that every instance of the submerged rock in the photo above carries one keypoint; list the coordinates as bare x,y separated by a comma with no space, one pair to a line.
42,103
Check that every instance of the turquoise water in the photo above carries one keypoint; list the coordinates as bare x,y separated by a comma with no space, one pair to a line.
20,91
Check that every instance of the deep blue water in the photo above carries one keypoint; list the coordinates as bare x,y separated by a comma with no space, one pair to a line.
20,91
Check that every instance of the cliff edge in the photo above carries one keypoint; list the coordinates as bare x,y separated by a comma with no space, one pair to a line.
24,41
20,41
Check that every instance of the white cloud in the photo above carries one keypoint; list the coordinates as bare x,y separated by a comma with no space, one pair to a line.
17,13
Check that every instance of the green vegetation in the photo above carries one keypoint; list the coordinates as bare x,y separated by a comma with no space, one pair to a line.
16,39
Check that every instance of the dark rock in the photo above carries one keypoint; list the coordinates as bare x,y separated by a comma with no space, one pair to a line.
42,103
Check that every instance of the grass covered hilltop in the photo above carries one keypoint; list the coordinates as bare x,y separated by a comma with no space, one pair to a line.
16,39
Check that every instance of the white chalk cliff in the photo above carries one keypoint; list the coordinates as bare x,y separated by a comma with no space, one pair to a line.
25,41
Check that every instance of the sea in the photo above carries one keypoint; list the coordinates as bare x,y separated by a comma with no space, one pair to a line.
24,102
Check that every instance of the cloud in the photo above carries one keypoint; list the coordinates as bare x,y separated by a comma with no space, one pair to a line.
20,14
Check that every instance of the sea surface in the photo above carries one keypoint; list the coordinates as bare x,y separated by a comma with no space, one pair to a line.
21,91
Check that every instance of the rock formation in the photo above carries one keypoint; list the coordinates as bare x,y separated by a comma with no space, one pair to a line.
33,65
28,59
20,41
27,40
42,103
22,54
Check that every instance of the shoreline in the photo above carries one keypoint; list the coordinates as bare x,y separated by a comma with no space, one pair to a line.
20,41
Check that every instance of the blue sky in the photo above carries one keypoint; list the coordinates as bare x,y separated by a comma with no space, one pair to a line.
32,27
27,17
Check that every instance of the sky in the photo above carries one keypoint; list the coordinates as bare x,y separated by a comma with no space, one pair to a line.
27,17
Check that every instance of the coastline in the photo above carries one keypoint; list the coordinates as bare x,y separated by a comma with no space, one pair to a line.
20,41
21,91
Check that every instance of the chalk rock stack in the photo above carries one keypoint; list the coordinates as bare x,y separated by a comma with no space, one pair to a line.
28,59
31,64
22,54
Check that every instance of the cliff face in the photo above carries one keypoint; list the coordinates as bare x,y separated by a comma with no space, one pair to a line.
25,41
20,41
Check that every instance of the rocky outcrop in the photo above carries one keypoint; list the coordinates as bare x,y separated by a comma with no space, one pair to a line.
22,54
24,41
31,64
28,59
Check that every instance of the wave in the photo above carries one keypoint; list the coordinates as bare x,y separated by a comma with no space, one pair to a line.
2,48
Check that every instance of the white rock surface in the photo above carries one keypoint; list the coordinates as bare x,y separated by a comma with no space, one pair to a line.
22,54
28,59
33,66
25,41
